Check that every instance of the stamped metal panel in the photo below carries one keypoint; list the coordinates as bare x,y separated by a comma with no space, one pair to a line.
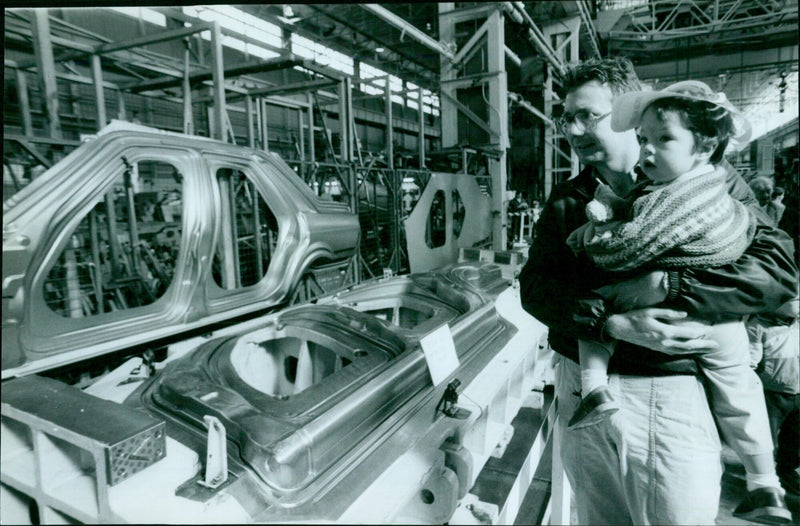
38,221
476,226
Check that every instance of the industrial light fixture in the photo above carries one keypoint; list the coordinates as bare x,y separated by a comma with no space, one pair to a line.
380,49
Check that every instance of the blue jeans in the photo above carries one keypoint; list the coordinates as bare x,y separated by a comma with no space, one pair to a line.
656,461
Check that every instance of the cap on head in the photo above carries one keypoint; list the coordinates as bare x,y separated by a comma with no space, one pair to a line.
629,107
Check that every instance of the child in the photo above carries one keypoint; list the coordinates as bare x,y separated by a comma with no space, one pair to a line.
685,219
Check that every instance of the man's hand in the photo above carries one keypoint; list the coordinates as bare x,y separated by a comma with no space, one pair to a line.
643,291
663,330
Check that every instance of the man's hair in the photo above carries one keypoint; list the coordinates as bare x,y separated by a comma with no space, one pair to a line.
762,187
779,191
711,125
616,73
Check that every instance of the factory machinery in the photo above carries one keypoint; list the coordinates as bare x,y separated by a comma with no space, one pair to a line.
382,403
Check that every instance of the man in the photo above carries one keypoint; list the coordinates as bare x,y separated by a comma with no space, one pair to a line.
657,460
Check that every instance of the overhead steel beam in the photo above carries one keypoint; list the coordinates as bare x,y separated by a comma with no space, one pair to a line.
176,14
513,57
469,113
528,106
410,30
325,71
535,35
290,88
207,73
469,13
155,38
470,47
786,56
586,20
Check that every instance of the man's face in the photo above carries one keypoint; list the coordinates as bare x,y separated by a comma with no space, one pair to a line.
601,146
668,148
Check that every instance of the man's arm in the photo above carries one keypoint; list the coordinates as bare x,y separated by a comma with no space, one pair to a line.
550,282
761,280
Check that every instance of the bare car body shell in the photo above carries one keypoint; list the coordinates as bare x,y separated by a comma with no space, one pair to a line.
38,221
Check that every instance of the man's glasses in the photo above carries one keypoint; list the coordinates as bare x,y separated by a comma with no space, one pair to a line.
586,121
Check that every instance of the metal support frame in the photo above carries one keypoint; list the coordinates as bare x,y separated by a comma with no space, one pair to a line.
421,144
251,135
494,77
188,118
409,29
43,49
24,102
100,99
535,35
311,145
155,38
389,136
345,143
566,36
218,75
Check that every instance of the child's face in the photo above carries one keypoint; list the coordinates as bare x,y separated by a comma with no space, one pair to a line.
667,149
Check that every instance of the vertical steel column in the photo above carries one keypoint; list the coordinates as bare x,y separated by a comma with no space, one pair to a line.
497,110
421,145
264,129
311,145
99,95
120,105
498,122
344,127
43,49
188,120
218,75
302,143
24,102
251,134
351,122
565,35
97,77
448,113
389,136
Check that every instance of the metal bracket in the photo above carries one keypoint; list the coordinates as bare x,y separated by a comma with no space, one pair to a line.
216,454
447,404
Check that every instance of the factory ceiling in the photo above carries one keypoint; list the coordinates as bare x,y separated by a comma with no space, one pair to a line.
747,47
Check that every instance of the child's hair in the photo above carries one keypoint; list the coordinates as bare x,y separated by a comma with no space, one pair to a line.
616,73
710,124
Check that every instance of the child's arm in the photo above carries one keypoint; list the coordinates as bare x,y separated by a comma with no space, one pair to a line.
645,290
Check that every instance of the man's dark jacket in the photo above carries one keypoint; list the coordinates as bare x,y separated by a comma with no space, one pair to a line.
556,284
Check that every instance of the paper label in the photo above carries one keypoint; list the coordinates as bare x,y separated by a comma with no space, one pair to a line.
440,353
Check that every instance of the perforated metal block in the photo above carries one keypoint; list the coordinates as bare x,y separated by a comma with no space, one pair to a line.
130,439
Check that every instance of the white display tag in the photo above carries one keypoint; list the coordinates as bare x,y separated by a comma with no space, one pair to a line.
440,353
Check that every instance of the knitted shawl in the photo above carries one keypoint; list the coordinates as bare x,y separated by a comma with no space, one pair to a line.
692,222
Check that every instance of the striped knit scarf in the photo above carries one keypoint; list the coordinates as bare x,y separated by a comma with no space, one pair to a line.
693,223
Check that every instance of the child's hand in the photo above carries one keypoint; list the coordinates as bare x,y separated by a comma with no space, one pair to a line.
575,241
599,212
